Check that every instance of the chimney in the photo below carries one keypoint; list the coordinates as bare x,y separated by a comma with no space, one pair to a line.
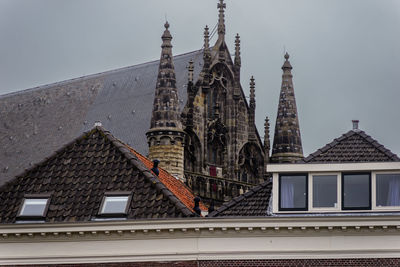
355,124
197,206
155,167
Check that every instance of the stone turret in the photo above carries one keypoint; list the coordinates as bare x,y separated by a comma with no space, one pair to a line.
165,136
287,146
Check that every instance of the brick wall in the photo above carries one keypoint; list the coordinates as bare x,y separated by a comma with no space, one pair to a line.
249,263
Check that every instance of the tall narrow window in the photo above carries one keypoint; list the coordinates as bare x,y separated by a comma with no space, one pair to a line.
324,191
387,190
293,192
356,191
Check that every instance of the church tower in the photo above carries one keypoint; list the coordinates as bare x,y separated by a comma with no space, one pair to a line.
287,146
165,136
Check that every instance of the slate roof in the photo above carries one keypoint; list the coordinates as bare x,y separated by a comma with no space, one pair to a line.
253,203
78,175
353,146
36,122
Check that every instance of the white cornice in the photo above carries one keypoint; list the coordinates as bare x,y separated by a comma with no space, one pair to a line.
210,225
333,167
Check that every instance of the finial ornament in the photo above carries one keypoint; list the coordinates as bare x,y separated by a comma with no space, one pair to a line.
206,38
237,50
191,70
252,87
221,21
286,56
166,25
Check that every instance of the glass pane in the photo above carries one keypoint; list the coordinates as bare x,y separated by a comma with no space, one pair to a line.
293,192
324,191
33,207
388,189
115,204
356,190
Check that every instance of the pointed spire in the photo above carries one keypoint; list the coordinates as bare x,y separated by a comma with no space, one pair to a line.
206,38
267,144
190,71
166,103
238,61
252,110
221,20
287,145
252,93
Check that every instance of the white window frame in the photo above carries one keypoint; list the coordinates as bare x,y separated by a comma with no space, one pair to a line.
33,216
373,192
338,192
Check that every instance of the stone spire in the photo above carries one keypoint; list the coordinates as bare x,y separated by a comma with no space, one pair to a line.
165,136
236,68
238,61
287,140
166,103
252,110
207,61
221,19
267,144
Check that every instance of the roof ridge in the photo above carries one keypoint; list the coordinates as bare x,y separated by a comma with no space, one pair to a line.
123,148
93,75
236,200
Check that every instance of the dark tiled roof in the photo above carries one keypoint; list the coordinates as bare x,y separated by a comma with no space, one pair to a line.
35,122
353,146
78,175
255,202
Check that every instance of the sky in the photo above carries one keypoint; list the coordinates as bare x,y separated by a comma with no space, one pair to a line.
345,53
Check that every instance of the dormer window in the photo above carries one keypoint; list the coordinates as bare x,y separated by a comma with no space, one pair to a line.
34,207
115,204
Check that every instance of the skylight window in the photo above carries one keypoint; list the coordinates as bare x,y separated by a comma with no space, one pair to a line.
115,204
34,207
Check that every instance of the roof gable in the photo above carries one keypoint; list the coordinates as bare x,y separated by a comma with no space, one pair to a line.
353,146
254,203
78,175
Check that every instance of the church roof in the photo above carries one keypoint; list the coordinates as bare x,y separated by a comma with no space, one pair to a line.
353,146
254,203
37,121
78,176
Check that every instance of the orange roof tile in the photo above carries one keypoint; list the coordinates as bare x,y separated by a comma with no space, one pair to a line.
179,189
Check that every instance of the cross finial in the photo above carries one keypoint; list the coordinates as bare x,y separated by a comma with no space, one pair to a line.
221,22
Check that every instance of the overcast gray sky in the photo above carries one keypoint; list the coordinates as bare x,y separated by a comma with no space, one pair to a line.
345,54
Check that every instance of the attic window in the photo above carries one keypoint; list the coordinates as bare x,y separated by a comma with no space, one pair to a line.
34,207
115,204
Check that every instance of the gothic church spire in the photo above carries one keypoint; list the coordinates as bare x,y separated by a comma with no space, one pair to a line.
166,103
166,136
287,140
